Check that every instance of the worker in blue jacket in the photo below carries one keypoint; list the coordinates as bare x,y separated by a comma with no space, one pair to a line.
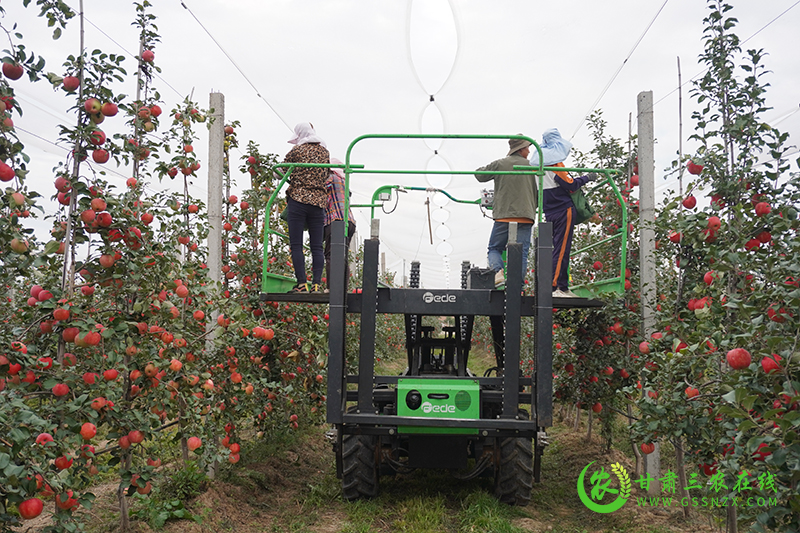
557,205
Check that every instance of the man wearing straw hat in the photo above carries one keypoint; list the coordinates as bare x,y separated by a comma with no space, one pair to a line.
514,201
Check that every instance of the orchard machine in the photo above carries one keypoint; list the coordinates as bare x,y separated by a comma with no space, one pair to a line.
437,414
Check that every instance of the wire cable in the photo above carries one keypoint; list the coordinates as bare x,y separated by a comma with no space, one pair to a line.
614,77
706,70
258,93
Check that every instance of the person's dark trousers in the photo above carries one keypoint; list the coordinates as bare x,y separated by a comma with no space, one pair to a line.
302,216
563,229
351,229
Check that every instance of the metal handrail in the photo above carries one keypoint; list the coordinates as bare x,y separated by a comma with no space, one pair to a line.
538,171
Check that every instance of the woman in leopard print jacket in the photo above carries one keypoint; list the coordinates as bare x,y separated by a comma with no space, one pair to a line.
306,198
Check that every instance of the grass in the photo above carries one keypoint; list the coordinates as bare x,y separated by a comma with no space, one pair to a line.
287,483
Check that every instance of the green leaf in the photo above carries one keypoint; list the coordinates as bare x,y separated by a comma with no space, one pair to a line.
730,397
748,401
747,424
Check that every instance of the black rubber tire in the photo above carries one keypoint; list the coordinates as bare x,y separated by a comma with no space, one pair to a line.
359,467
513,477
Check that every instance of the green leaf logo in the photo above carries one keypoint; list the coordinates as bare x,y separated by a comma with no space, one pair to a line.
622,495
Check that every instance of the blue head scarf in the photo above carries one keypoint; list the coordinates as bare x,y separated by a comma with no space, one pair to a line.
555,149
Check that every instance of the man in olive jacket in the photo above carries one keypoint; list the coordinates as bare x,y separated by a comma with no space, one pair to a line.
514,201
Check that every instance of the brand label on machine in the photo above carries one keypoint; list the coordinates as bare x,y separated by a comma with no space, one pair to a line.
428,407
429,297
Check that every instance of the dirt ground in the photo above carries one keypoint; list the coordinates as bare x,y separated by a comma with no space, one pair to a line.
296,490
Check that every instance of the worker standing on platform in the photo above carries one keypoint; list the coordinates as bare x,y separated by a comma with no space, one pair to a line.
305,203
514,201
558,206
334,210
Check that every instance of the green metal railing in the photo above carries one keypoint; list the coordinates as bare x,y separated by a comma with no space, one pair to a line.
277,283
271,282
376,202
617,283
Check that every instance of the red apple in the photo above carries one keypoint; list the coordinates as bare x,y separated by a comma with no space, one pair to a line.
19,246
109,109
107,260
738,358
92,106
689,202
148,56
60,389
88,431
193,443
70,83
694,168
97,137
32,507
13,70
136,436
63,462
769,364
105,220
6,172
648,448
100,156
43,438
66,502
762,208
98,204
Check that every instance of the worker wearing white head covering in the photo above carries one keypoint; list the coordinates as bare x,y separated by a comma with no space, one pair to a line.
306,198
304,133
557,204
555,149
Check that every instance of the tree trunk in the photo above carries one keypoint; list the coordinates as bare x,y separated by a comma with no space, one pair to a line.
732,526
589,429
681,467
577,422
124,522
638,467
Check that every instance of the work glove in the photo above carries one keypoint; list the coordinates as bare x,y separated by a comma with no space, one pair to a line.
592,176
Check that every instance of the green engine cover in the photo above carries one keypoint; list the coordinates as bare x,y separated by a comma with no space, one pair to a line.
438,398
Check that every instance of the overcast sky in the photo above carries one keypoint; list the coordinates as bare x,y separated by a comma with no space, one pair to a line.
360,67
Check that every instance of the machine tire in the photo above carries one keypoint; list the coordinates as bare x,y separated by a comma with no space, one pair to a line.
513,477
359,467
